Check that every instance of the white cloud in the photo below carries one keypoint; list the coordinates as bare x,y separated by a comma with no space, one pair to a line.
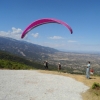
71,41
14,33
35,35
56,37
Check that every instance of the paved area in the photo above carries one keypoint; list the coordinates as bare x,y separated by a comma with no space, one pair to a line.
32,85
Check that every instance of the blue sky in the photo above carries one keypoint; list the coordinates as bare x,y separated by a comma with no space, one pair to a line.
82,15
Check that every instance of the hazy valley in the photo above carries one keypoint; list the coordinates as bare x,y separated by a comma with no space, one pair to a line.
71,61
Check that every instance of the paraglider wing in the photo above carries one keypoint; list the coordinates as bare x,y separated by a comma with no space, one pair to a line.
44,21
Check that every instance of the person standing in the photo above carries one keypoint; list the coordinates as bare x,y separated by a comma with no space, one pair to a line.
46,65
59,67
88,70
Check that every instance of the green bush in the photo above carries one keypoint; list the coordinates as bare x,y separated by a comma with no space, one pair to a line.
6,64
96,86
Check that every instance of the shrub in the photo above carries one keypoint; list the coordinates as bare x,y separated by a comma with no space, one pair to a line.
96,86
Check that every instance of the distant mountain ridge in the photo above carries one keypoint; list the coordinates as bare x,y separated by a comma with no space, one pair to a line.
25,49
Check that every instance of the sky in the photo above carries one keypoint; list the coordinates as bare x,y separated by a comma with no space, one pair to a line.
83,16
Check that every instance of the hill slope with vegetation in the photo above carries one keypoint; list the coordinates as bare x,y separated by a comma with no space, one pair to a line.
25,49
9,61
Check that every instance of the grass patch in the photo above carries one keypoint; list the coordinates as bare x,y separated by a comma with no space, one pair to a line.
96,86
91,94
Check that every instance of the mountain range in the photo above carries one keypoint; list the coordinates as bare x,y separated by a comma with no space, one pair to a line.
25,49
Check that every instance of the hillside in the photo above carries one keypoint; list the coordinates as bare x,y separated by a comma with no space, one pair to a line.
9,61
72,62
25,49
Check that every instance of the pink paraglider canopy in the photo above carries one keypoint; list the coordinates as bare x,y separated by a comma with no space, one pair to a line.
44,21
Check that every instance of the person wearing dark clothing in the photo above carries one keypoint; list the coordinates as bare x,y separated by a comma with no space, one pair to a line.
46,65
59,67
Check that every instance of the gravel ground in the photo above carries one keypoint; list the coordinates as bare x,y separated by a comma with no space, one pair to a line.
32,85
